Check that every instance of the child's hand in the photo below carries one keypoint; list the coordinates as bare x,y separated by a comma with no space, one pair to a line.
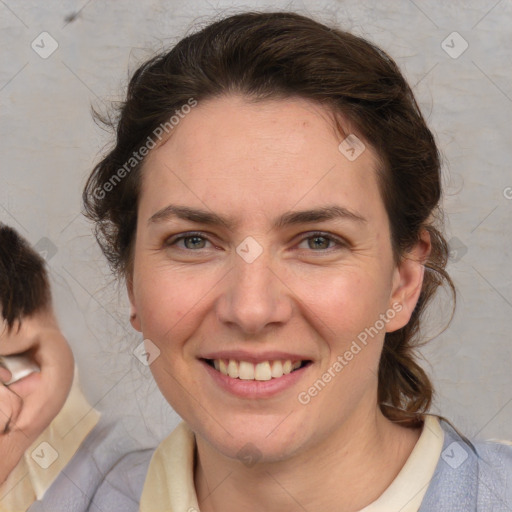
11,445
10,405
29,405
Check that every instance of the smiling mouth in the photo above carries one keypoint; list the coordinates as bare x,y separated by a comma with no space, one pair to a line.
263,371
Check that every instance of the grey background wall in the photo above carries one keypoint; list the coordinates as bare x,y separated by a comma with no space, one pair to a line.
457,55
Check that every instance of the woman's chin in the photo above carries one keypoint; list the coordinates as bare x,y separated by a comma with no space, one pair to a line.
257,443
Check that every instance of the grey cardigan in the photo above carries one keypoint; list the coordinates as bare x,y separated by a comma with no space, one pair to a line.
106,474
469,477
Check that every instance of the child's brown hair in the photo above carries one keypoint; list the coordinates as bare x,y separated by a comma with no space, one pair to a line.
24,285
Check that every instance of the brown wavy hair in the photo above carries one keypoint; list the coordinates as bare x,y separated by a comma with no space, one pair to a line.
280,55
24,285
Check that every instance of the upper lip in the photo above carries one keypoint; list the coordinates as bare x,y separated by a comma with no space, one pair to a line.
254,357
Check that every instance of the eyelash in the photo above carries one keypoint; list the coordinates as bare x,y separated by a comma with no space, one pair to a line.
316,234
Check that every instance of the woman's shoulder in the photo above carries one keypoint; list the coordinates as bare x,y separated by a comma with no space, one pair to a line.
494,474
470,475
492,453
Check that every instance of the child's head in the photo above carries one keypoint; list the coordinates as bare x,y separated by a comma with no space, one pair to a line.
24,286
31,330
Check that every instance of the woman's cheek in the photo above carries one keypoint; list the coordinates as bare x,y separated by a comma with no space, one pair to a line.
337,299
164,303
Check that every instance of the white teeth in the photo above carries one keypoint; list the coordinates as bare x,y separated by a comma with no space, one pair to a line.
262,371
277,369
233,369
266,370
246,370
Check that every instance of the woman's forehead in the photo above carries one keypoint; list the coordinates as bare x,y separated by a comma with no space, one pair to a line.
289,125
279,151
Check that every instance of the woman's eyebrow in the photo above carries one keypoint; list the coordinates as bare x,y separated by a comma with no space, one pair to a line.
199,216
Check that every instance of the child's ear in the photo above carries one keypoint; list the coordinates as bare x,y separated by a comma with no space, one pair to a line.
134,317
408,281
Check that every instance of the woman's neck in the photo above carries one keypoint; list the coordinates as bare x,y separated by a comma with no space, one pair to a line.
346,471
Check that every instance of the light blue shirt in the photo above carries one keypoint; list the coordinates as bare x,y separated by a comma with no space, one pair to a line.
470,477
106,474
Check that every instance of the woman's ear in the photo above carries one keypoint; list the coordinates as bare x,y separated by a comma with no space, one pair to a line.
408,281
134,317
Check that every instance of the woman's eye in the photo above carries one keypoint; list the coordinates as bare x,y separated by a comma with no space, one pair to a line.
316,242
320,241
188,242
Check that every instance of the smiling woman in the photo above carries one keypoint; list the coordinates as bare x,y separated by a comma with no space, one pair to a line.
279,248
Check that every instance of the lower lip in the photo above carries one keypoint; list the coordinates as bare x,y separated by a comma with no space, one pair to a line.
255,388
26,385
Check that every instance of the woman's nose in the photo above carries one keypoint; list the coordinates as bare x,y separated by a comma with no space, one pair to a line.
253,295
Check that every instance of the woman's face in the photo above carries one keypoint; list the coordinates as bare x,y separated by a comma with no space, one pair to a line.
259,240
